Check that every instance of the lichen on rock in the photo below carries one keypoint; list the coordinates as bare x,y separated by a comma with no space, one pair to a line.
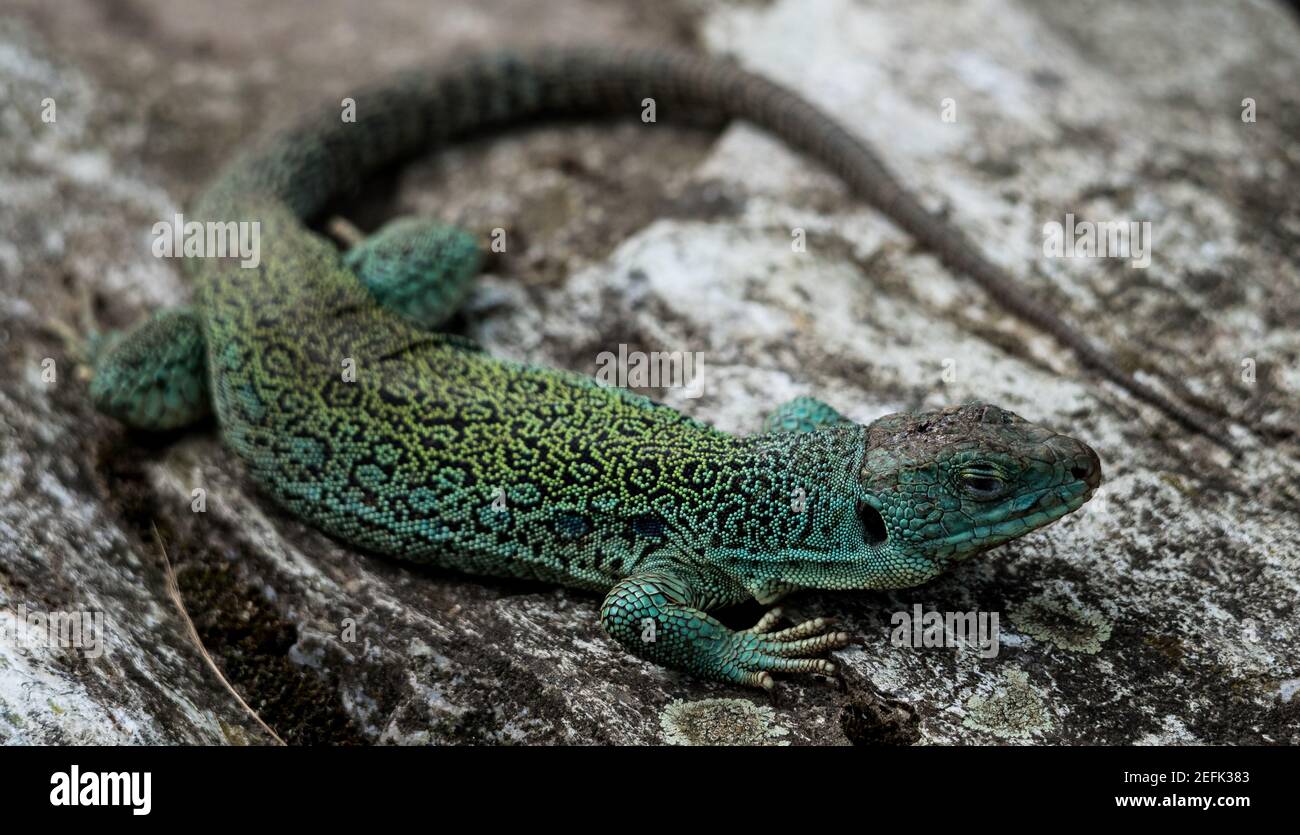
720,722
1063,622
1015,711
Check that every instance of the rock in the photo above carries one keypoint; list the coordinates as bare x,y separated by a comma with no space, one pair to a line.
1162,612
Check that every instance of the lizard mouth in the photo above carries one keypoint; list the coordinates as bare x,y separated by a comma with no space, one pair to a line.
1025,513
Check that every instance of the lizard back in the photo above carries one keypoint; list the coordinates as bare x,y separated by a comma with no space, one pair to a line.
405,458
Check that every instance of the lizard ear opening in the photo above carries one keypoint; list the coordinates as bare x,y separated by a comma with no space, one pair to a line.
874,531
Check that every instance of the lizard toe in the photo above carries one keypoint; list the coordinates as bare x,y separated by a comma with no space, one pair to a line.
807,629
805,647
765,623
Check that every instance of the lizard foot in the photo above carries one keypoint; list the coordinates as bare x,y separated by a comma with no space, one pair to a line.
653,615
758,651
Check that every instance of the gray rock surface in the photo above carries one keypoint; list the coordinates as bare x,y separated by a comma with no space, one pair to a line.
1164,612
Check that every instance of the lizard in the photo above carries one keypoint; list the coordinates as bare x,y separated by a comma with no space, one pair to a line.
436,452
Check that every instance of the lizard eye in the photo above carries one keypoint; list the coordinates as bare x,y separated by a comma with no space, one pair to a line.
982,482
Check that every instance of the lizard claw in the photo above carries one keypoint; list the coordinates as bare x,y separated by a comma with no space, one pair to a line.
81,340
76,344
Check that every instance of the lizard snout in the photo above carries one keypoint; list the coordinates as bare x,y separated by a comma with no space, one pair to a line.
1073,460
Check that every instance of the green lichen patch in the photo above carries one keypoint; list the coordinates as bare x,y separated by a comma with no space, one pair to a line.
1067,624
720,722
1016,710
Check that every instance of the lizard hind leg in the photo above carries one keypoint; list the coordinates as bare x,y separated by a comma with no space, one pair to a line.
419,268
155,375
802,414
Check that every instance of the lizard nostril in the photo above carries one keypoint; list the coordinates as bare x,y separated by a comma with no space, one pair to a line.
1087,470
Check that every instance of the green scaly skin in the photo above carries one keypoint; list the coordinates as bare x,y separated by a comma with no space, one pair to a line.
432,451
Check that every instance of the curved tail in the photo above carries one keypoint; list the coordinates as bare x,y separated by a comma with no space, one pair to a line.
326,156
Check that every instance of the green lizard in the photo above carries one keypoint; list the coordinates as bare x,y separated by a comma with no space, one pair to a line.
439,453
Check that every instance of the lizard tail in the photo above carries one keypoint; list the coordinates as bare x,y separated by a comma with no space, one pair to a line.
329,155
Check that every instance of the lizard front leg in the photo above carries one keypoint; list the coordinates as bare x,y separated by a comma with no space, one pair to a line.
654,615
803,414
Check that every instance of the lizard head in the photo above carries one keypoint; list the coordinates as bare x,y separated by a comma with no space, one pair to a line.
893,503
937,487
